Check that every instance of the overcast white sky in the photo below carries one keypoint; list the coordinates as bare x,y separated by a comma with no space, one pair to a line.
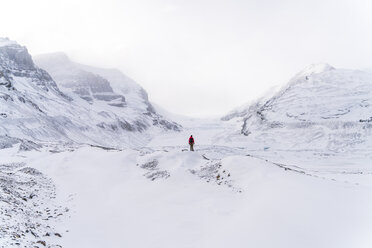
202,57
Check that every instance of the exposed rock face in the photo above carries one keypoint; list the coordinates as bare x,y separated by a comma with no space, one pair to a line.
83,108
15,61
87,85
97,85
16,57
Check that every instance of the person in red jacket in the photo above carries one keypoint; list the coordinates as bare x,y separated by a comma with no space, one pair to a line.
191,143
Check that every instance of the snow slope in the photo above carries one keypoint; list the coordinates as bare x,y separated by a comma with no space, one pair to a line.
320,108
218,196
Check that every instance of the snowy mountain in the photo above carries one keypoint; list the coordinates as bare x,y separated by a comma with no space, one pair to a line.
83,108
105,87
87,161
321,107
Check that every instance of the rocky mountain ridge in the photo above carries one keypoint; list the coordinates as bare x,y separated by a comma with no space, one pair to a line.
79,107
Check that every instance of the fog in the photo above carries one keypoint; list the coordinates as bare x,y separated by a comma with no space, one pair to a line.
198,58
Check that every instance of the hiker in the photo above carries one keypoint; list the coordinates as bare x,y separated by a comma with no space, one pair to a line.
191,143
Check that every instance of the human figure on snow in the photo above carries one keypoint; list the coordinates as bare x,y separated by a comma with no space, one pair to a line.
191,143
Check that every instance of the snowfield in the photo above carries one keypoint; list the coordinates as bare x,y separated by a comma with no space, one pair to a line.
218,196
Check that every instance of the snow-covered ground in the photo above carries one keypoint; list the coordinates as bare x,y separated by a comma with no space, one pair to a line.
222,195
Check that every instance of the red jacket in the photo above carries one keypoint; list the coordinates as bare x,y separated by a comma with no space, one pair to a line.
191,140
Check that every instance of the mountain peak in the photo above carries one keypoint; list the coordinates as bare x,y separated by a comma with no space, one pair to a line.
14,55
57,58
6,42
314,69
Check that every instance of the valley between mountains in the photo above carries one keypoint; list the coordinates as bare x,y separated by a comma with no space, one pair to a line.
86,160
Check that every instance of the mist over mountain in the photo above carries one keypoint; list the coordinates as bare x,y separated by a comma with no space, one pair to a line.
73,104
